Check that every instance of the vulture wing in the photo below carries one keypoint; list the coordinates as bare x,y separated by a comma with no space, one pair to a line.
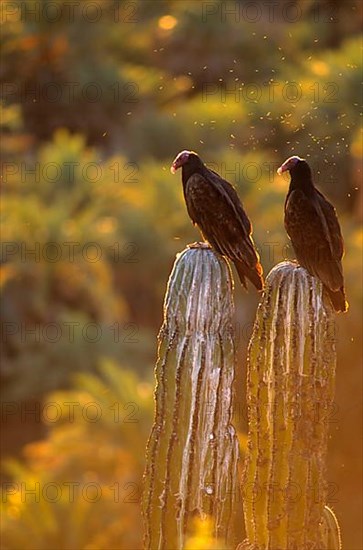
313,228
336,239
214,206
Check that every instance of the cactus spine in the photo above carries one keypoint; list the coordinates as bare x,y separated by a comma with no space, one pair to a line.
290,389
192,451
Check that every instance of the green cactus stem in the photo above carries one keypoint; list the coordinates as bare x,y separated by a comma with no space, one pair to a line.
192,451
290,390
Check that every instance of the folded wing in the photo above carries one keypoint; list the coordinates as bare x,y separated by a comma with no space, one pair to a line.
315,233
214,206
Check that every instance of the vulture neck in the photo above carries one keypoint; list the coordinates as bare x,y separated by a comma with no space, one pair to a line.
195,165
303,182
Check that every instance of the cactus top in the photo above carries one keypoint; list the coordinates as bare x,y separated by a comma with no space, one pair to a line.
198,297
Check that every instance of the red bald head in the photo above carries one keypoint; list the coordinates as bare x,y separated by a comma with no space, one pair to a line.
289,164
180,159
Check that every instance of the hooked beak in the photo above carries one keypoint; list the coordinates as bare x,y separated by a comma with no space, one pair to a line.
281,170
173,168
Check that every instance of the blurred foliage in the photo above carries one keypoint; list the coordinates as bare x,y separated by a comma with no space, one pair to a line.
80,488
92,113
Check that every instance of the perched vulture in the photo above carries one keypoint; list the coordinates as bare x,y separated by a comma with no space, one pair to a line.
213,205
312,225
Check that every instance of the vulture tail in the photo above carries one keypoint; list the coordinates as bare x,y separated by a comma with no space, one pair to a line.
253,274
338,299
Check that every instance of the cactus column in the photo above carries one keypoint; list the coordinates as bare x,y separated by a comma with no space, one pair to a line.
290,390
192,451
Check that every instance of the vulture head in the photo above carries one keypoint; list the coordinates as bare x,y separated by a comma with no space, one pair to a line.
188,158
296,166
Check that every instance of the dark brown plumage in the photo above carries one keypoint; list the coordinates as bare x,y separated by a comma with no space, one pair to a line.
213,205
312,225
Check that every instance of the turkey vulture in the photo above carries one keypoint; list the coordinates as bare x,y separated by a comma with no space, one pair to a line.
213,205
312,225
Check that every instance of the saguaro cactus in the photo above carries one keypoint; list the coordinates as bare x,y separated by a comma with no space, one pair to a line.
192,451
290,389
